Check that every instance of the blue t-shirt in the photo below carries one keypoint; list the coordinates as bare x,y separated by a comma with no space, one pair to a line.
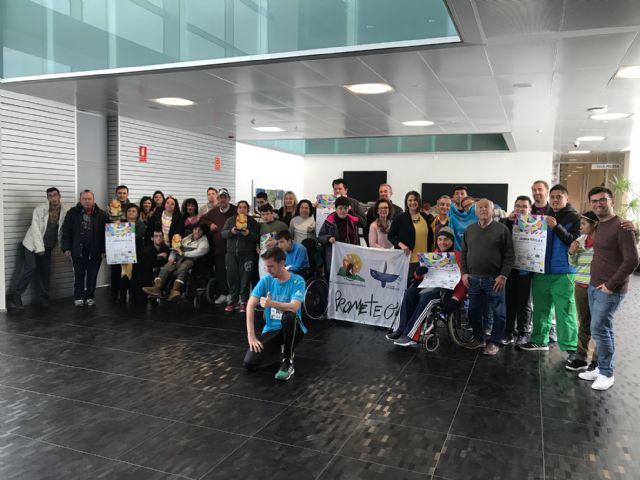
459,221
292,289
297,259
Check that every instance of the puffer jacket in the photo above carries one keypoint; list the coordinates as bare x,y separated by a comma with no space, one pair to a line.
194,248
34,238
559,240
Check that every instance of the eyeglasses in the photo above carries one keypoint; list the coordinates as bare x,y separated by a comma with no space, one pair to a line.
383,209
595,201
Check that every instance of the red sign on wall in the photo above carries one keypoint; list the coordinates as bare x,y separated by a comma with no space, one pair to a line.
217,164
142,153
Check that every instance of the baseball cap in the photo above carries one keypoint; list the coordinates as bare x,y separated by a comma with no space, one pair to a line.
223,191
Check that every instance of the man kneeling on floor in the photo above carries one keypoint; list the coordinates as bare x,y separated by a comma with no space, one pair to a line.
181,261
281,294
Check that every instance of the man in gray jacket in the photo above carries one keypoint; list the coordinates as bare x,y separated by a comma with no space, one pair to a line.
41,238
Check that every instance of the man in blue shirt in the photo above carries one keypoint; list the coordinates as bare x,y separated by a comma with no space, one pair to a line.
281,294
296,258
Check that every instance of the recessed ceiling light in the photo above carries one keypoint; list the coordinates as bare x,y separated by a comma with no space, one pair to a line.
539,130
418,123
609,116
369,88
269,129
173,101
578,152
628,71
590,138
522,85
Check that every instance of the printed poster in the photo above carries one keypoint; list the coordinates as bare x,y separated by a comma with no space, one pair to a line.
367,284
264,239
325,200
120,242
443,270
529,242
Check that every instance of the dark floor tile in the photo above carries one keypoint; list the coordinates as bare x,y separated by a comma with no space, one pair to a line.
477,460
571,468
312,429
110,433
598,444
441,366
395,445
231,413
184,450
36,416
503,397
260,459
522,431
360,374
344,468
346,399
124,471
517,377
413,411
263,386
24,459
429,386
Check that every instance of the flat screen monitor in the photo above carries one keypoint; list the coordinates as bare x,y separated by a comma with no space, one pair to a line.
496,192
363,185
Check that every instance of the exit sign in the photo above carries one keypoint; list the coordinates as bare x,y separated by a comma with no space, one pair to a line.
605,166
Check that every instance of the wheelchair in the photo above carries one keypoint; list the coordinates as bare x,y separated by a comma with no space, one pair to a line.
194,288
316,292
456,323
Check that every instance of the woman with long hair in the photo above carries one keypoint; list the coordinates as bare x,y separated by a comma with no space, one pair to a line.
168,219
158,200
379,229
146,208
288,209
190,214
303,225
242,234
410,230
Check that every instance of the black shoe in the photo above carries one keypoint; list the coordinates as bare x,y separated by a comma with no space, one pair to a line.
507,340
532,347
286,370
393,335
14,302
577,365
44,303
592,366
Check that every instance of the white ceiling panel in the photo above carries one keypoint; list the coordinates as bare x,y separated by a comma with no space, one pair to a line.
344,70
471,86
502,18
540,84
603,51
460,61
583,15
522,57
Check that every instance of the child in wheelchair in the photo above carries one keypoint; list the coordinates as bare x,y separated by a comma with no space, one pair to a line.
181,261
418,304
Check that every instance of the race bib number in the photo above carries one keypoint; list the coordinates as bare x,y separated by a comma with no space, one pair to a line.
276,314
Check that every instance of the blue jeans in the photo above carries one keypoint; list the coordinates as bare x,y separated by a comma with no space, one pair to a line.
482,300
603,306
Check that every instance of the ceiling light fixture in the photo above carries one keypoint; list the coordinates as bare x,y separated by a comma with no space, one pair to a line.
609,116
418,123
173,101
578,152
269,129
590,138
369,88
628,71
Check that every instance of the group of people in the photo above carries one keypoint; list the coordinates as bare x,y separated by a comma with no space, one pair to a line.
588,260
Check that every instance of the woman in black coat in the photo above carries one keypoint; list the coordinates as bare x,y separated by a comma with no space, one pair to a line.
410,230
167,219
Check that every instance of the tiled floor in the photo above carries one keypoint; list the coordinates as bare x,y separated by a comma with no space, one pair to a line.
120,393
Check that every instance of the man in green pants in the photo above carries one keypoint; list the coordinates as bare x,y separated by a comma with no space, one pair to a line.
553,289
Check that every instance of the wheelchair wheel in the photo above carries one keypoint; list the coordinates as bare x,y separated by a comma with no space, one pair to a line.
431,342
197,301
459,327
210,290
316,299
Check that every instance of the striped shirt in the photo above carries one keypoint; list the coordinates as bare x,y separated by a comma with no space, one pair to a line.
581,260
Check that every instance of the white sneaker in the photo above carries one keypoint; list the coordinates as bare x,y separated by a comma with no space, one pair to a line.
590,376
603,383
78,303
90,302
222,299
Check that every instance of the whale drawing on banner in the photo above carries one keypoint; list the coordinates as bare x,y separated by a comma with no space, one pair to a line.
384,277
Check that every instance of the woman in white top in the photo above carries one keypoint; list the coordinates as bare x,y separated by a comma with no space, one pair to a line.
303,225
380,227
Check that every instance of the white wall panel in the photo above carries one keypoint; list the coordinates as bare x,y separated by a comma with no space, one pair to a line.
408,171
38,151
179,162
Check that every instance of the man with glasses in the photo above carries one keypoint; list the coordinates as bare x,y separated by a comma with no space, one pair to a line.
615,257
553,290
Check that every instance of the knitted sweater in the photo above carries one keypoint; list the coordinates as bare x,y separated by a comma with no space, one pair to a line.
581,260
